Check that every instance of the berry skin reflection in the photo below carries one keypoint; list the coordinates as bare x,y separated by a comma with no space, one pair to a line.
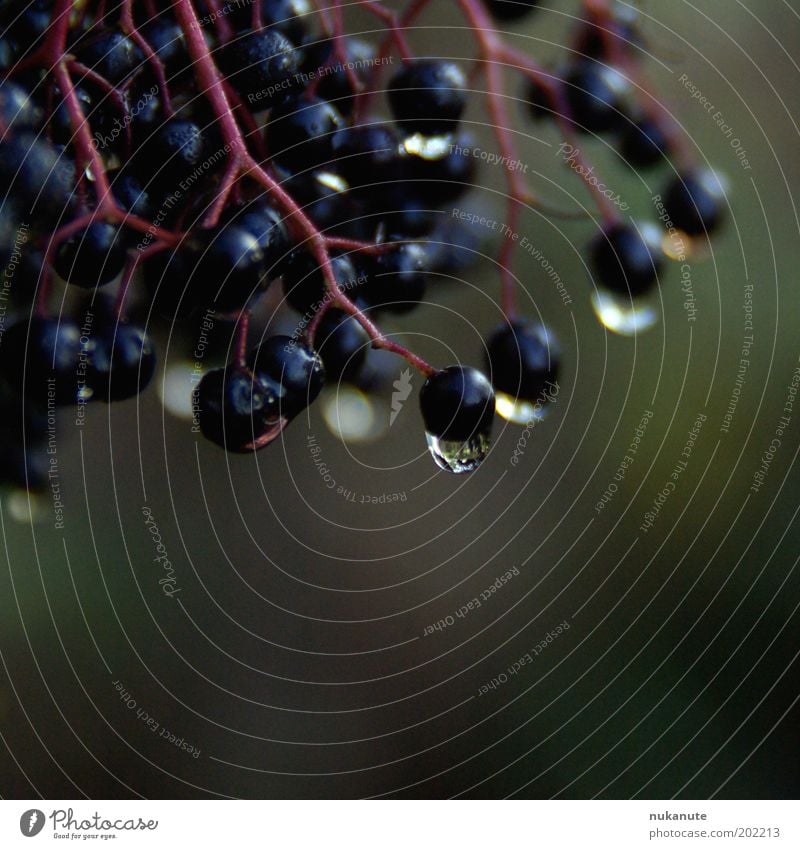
193,163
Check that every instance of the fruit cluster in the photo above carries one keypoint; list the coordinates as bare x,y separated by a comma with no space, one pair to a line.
206,152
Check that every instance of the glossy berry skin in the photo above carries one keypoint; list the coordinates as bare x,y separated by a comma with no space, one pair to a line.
343,345
234,408
93,257
261,66
17,109
228,268
428,97
304,283
693,202
511,10
368,155
41,349
111,54
457,404
167,41
624,261
289,17
399,278
643,144
300,133
522,358
122,362
294,371
172,153
267,226
441,181
131,194
39,178
335,83
594,95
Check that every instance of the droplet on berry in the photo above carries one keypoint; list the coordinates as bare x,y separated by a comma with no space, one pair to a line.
623,315
458,407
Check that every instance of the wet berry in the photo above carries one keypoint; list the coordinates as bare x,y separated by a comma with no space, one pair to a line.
300,133
93,257
627,260
295,372
428,97
122,362
522,358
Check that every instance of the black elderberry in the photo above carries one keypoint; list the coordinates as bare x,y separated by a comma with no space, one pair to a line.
368,155
229,268
92,257
40,358
440,181
522,358
289,17
511,10
428,97
627,260
595,94
234,408
644,144
111,54
694,201
175,152
336,82
122,362
300,133
17,108
342,343
267,226
294,371
457,406
131,194
262,66
304,283
399,277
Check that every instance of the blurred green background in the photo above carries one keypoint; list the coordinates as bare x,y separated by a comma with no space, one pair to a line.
293,653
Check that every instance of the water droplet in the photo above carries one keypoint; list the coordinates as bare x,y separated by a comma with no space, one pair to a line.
622,315
519,411
332,181
459,457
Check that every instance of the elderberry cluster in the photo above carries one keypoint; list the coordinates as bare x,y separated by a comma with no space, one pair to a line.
208,153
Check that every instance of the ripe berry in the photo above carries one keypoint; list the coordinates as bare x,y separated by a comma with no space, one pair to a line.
167,41
262,66
304,283
131,194
627,260
228,270
511,10
399,278
294,372
343,344
17,109
440,181
522,357
289,17
172,153
42,349
110,54
300,133
323,197
457,407
37,175
122,362
234,409
428,97
368,155
94,256
644,144
267,226
595,97
335,83
694,201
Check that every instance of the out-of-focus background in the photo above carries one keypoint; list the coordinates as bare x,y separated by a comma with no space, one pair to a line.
308,643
